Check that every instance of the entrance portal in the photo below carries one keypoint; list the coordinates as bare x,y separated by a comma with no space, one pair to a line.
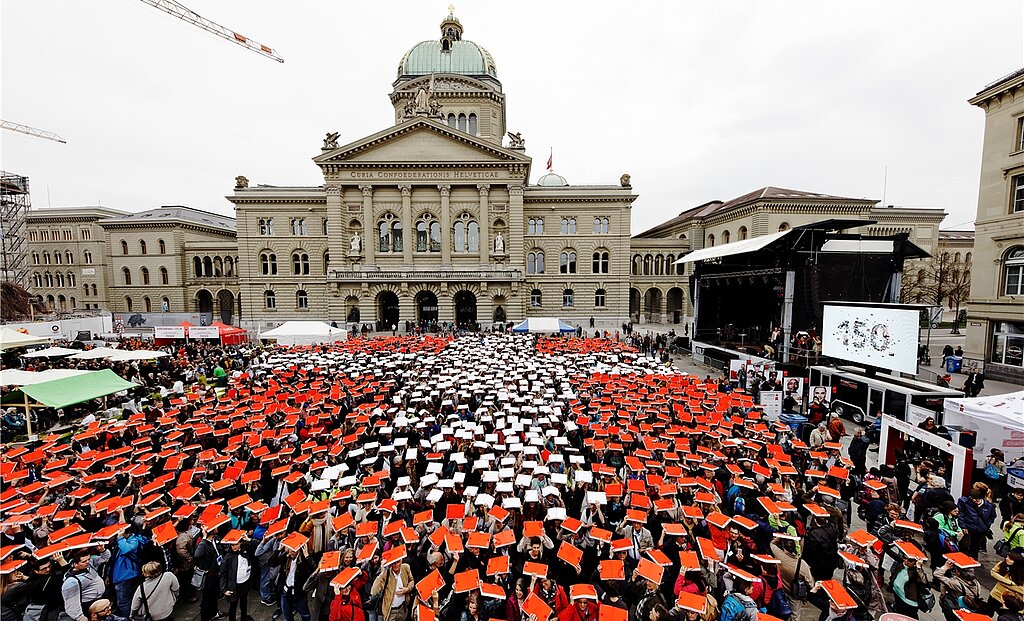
387,310
226,299
426,306
465,309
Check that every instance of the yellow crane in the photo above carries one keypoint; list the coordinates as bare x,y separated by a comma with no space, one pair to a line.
188,15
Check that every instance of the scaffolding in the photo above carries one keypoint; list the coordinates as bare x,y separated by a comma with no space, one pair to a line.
14,206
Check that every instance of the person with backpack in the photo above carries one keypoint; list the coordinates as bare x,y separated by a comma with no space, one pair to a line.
738,605
156,596
943,532
958,586
82,585
125,571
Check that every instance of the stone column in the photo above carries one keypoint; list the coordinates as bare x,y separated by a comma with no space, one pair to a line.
369,228
446,225
337,240
519,305
485,237
408,234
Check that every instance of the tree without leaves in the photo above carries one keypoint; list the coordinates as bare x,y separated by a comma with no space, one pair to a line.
941,282
15,302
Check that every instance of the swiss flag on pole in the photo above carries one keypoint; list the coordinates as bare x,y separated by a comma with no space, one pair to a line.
551,159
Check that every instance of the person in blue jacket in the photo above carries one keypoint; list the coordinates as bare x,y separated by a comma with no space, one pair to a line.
977,515
125,572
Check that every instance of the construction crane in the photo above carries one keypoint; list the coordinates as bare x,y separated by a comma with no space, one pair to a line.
31,131
185,14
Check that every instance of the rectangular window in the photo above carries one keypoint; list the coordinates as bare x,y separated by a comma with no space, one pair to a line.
85,234
33,236
1019,138
1017,191
567,298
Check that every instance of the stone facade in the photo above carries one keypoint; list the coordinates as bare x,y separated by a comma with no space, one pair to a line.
995,321
69,258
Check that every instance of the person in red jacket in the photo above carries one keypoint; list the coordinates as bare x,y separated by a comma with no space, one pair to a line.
584,605
552,594
347,605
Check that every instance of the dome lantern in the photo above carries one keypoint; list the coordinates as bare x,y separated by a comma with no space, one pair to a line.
451,30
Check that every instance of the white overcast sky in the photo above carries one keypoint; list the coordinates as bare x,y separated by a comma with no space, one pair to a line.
696,100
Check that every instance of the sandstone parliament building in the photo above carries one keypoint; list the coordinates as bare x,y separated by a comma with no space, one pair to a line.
434,218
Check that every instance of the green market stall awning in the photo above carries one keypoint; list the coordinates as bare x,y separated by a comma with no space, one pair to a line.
67,391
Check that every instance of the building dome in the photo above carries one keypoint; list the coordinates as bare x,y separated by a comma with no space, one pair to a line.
552,180
450,54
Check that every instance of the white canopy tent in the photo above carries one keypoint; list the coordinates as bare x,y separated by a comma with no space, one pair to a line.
136,354
17,377
543,325
12,338
998,422
51,352
305,333
93,354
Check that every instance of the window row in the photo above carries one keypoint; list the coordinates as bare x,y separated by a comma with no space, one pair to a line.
143,248
270,299
600,262
300,263
956,257
741,234
656,265
58,258
298,226
465,234
568,298
57,235
126,276
535,226
213,267
147,305
57,279
60,303
463,122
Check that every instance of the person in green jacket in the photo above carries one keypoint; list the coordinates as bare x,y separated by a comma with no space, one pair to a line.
1013,532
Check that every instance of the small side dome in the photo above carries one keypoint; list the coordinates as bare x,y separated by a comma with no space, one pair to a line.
553,180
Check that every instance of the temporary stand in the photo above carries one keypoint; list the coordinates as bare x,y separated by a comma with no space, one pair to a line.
894,428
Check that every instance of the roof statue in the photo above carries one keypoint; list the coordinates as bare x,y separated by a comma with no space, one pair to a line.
516,141
241,182
624,180
331,140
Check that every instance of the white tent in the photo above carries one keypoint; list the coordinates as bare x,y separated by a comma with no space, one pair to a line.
17,377
51,352
136,354
543,324
304,333
998,421
93,354
12,338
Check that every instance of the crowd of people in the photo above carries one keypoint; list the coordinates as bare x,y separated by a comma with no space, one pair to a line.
477,477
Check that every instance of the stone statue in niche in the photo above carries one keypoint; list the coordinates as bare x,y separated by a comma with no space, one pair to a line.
356,243
499,244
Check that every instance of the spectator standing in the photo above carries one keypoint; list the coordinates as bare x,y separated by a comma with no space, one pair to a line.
157,595
977,515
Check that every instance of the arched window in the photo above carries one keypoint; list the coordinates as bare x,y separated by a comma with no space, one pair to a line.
94,290
147,305
87,257
428,234
35,258
218,267
567,262
535,226
711,240
670,261
648,264
726,236
124,247
742,233
535,298
207,266
324,228
62,302
535,262
70,257
635,270
300,263
472,124
72,280
568,226
784,227
453,121
46,258
164,279
1013,272
920,275
229,266
659,265
967,258
298,226
145,275
466,234
74,303
567,297
396,236
60,279
266,226
56,258
142,246
385,233
269,299
37,279
128,304
462,122
197,266
126,276
301,299
956,258
327,261
162,246
165,305
268,264
601,225
600,262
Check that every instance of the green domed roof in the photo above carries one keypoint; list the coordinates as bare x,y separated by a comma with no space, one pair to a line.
553,180
463,57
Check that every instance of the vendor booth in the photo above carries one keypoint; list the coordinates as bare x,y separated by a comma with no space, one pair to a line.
304,333
544,325
227,334
995,422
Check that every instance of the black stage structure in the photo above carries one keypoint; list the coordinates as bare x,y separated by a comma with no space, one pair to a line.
742,290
